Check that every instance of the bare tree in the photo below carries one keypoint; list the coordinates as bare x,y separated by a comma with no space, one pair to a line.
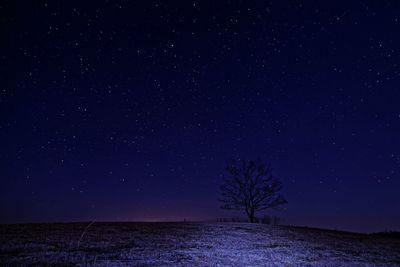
251,187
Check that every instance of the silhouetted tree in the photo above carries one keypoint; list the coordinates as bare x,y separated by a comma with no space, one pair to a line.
251,187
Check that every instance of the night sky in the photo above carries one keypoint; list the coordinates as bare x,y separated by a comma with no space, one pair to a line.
124,110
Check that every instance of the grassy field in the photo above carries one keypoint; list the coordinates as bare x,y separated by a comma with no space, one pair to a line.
190,244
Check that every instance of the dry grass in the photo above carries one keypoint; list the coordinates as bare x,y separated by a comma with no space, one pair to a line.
190,244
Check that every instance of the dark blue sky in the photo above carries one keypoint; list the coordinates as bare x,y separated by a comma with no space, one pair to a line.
114,110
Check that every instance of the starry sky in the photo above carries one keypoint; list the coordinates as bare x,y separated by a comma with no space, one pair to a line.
128,110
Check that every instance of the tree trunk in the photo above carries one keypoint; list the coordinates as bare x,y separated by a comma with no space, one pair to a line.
251,215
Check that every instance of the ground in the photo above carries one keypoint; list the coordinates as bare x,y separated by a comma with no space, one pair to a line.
190,244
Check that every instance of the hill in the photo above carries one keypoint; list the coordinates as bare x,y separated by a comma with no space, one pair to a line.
191,244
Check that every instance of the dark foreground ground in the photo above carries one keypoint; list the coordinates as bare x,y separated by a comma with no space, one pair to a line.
190,244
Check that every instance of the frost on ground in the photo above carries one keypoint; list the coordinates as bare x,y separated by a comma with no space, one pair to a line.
191,244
